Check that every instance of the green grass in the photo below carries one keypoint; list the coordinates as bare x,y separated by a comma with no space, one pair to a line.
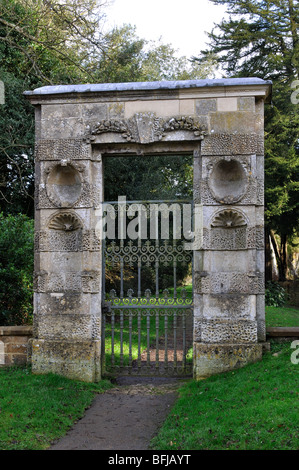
253,408
35,410
282,316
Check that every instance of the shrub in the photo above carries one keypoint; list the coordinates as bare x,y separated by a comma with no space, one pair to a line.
275,295
16,269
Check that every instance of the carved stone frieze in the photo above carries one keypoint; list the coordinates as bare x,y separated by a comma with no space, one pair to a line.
66,240
233,144
90,281
215,331
222,238
229,282
58,149
146,127
233,238
58,240
87,282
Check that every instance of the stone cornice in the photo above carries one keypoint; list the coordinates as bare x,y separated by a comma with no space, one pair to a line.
146,90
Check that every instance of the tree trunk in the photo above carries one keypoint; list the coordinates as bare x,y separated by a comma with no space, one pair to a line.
268,257
284,257
280,255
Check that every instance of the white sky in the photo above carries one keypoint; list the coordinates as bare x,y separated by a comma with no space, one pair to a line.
181,23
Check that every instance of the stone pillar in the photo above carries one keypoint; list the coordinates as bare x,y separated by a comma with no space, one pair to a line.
67,299
229,310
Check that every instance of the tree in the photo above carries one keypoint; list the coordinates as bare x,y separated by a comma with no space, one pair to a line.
58,42
16,268
128,58
152,178
260,38
16,149
51,39
41,42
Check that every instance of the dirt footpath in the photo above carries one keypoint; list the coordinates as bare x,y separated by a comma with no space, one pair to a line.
126,417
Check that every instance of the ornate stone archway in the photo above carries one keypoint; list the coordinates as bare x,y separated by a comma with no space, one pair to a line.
221,122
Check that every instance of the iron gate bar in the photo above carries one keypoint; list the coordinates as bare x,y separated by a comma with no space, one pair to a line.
156,316
123,308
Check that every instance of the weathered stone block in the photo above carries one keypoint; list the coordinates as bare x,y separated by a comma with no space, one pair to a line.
163,108
210,359
75,327
246,103
186,107
205,106
241,123
62,128
227,104
94,111
59,149
229,331
14,344
78,360
56,111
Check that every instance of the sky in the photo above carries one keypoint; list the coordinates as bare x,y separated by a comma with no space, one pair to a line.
181,23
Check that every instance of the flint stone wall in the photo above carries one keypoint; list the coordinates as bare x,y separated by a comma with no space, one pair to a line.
221,123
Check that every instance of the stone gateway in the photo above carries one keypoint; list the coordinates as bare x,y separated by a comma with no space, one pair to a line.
221,123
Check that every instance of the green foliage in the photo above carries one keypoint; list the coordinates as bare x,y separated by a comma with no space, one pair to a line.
128,58
275,294
50,41
152,177
16,147
282,161
16,269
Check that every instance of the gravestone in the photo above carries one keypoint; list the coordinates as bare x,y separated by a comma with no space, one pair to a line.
221,122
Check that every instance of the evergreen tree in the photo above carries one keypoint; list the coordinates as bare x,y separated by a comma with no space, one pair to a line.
260,38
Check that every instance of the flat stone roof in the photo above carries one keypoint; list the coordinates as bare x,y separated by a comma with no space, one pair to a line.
139,86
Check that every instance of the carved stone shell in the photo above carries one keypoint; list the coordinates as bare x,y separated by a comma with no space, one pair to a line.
228,218
65,221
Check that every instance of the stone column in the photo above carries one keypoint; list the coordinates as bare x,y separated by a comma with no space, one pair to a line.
67,313
229,314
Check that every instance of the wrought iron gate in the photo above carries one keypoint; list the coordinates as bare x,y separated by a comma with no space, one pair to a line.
148,315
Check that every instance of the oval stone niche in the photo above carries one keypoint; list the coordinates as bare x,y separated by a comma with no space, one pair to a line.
228,181
64,185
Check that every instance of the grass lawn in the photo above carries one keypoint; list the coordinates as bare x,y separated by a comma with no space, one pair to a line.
253,408
37,409
282,316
